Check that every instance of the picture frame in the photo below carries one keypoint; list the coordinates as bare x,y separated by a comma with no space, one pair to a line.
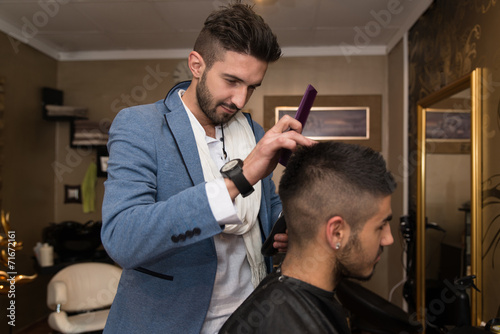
333,123
72,194
373,103
447,131
447,124
102,161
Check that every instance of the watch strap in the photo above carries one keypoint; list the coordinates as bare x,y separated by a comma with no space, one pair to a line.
235,174
240,181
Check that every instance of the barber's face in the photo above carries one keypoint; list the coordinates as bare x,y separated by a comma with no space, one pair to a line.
225,88
357,259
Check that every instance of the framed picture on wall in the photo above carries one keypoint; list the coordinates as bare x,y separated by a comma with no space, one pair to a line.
447,131
72,194
446,125
355,119
102,161
333,123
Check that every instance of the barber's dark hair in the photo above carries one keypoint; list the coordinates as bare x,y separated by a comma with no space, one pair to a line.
332,179
236,27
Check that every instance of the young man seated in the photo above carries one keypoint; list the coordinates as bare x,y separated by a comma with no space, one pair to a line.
337,205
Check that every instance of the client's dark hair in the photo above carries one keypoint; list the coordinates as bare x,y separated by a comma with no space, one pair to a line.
332,179
237,28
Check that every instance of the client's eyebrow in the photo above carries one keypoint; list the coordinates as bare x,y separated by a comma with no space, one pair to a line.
386,220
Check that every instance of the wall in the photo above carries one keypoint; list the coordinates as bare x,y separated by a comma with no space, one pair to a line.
450,40
27,177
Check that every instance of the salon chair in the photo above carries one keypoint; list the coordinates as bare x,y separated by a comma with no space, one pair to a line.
371,313
80,296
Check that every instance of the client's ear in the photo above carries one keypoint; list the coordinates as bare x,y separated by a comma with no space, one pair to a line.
337,231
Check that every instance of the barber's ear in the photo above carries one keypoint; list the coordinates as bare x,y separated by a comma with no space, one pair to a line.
337,232
196,64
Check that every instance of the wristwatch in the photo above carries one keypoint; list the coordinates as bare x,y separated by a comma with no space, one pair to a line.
233,170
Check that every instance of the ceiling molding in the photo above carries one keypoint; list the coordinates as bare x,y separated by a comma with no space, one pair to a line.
343,50
183,53
124,55
16,37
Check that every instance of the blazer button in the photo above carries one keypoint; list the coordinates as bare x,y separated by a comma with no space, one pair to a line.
175,238
182,237
196,231
189,233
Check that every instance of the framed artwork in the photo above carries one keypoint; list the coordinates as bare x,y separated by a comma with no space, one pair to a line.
447,131
72,194
447,125
355,119
333,123
102,161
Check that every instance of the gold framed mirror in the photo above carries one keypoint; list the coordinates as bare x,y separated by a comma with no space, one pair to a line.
448,236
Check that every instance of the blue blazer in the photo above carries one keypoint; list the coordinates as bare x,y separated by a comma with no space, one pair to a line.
157,222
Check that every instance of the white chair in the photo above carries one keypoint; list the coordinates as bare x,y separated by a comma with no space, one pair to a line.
85,290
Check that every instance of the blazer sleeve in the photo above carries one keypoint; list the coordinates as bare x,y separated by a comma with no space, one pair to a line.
150,206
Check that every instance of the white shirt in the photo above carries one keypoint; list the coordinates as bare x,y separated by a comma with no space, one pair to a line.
233,279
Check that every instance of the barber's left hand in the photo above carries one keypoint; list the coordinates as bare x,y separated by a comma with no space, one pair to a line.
281,242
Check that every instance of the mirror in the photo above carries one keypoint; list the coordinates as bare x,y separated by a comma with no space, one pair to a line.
447,204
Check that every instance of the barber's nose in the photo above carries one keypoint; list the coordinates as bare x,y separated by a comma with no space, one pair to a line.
387,238
240,97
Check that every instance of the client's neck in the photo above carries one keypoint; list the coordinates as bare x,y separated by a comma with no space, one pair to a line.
313,267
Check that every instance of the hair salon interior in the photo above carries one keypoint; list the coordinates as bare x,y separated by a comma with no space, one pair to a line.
434,113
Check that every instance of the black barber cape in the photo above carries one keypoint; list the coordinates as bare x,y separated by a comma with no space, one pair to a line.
282,304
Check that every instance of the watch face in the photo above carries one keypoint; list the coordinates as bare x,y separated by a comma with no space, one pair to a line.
230,165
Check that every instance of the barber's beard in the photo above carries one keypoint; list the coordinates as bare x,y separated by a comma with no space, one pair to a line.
208,106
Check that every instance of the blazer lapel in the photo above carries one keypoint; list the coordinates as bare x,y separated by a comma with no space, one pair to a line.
178,123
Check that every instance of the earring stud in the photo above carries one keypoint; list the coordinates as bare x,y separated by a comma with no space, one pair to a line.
337,245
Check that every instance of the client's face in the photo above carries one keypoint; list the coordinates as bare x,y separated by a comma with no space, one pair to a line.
357,259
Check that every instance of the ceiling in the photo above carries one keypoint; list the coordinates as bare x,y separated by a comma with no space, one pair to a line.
141,29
